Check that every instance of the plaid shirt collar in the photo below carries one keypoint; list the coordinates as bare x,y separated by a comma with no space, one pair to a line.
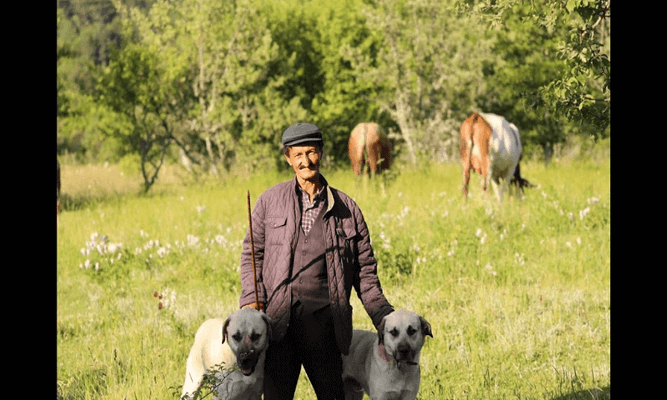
309,211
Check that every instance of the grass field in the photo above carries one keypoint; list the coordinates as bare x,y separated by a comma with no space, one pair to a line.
518,294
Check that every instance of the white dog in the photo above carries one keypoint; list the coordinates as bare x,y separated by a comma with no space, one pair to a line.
386,365
239,341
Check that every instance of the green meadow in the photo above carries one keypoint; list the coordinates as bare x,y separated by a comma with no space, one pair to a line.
517,294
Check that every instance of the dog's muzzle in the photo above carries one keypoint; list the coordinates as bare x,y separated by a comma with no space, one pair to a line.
405,354
247,361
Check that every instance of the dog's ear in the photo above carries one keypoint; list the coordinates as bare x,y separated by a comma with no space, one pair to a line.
224,329
426,327
268,325
381,331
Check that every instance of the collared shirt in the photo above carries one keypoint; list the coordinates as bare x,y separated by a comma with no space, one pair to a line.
310,210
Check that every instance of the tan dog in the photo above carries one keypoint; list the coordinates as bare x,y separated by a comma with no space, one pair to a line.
386,365
239,341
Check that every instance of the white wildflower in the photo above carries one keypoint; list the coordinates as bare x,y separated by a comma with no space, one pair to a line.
568,244
137,251
592,200
102,249
192,240
570,216
94,236
97,266
416,248
162,252
220,239
181,198
119,255
579,241
501,237
142,233
112,247
200,209
584,212
483,239
544,195
479,232
445,214
87,264
450,253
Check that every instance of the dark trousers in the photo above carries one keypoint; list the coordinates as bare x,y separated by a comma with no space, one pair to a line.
310,341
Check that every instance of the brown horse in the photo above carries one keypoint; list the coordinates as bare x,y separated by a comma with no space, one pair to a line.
369,144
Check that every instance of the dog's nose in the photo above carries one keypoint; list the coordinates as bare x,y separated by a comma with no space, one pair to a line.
403,350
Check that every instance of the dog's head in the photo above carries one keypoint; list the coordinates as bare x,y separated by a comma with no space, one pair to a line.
248,333
402,334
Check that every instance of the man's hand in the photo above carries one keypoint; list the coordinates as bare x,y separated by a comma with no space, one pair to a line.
255,306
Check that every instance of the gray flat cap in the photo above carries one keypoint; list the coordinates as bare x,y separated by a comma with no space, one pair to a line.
301,133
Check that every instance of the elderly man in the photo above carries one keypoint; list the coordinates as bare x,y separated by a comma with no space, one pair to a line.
311,246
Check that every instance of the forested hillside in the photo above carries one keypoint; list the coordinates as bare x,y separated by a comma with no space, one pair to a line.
212,84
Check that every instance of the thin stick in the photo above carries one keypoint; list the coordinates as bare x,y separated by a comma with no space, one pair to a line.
252,254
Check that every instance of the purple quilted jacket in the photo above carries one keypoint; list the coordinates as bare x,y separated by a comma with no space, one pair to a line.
349,259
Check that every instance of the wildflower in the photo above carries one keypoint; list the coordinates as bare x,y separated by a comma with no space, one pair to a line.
94,236
479,232
85,252
137,251
87,264
445,214
570,216
162,252
97,266
483,239
142,233
220,239
112,248
450,253
568,244
489,268
592,200
584,212
416,248
181,198
192,240
544,195
200,209
579,241
501,237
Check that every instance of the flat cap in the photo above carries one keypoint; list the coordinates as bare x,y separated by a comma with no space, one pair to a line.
301,133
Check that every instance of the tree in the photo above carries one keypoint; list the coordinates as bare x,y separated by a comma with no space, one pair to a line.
581,90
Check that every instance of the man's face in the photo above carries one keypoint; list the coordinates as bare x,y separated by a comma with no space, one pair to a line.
305,160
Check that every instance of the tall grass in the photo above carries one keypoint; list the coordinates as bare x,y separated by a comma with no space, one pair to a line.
517,294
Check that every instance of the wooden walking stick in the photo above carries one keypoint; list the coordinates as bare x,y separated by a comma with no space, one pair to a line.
252,254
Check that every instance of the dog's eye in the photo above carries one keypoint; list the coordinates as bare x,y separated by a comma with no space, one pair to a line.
236,336
411,331
254,336
394,332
